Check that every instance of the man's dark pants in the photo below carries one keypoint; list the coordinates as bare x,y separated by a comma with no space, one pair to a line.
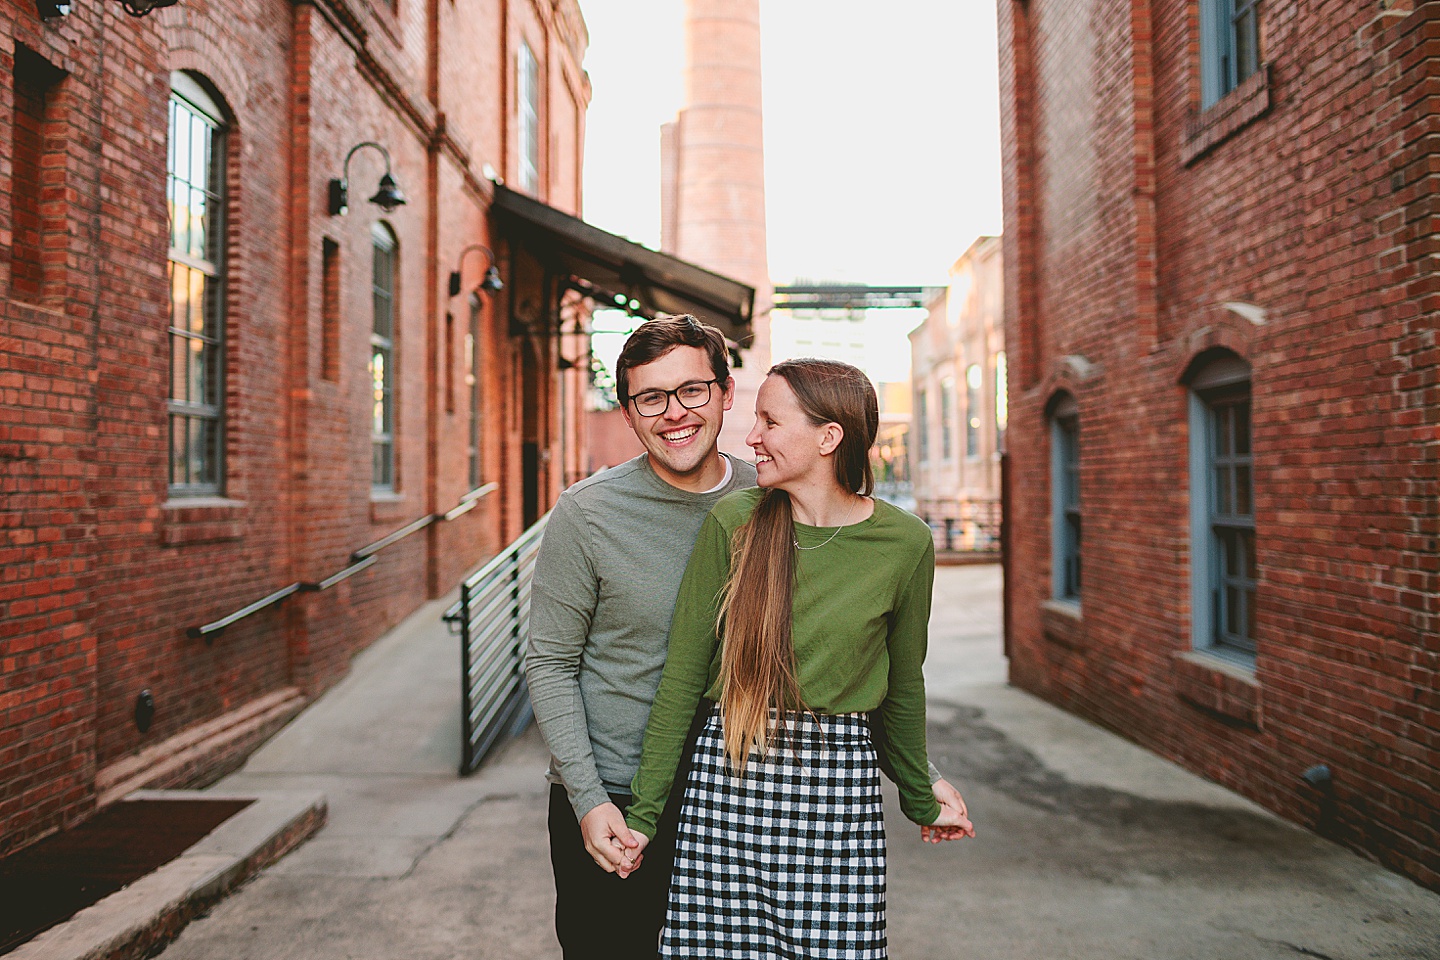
599,916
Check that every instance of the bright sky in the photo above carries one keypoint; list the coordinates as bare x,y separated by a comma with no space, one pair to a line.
882,142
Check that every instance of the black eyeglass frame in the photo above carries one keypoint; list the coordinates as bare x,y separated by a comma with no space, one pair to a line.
712,382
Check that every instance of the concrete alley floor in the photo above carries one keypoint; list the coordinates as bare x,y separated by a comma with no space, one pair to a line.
1086,846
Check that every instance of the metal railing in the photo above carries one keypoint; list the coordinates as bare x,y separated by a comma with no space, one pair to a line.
492,618
359,560
976,529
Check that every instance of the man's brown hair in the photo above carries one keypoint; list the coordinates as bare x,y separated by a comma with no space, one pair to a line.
655,338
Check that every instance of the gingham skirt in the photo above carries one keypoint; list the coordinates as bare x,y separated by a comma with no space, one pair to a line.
787,859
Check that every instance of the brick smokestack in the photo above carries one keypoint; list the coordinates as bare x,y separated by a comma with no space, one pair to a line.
713,158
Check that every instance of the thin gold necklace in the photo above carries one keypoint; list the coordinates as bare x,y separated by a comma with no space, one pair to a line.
832,536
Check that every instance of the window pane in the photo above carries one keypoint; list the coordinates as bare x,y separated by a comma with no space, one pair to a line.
1223,499
382,464
179,464
1232,611
181,152
1242,428
1249,619
174,191
207,449
380,417
1243,506
1246,47
1224,439
198,208
195,297
213,311
198,389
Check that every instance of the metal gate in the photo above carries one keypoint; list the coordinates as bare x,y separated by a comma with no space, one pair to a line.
493,620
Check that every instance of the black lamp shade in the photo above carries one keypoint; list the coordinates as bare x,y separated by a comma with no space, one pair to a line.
388,197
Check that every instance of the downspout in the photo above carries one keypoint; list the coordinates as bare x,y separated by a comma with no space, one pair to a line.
433,377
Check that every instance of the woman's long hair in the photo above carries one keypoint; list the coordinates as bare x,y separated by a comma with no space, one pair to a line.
757,660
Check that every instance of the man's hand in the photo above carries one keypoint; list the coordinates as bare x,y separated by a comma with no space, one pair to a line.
608,840
629,865
954,820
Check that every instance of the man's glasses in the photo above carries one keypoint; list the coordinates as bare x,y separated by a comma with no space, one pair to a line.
652,403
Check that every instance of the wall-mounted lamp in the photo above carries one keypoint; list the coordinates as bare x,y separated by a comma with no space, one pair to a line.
387,198
55,9
491,282
138,8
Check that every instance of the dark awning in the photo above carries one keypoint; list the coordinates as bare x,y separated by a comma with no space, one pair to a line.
615,271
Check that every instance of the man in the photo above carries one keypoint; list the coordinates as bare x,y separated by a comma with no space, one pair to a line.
605,586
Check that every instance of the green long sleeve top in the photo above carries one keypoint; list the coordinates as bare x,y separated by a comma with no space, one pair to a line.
860,622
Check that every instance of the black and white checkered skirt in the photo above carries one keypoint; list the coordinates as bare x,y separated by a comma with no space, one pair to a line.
786,859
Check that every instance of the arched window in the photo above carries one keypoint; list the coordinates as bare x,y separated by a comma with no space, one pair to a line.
1222,508
382,358
472,384
195,190
527,107
1065,498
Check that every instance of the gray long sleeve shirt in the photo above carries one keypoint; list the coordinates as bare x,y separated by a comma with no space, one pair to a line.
606,578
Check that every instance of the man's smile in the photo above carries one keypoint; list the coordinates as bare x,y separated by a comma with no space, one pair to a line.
681,435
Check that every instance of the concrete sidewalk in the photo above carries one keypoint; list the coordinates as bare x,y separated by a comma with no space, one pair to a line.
1087,846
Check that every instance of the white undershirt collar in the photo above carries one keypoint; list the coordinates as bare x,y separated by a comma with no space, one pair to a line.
729,472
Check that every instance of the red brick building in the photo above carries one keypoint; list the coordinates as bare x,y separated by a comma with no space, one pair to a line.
218,391
1221,302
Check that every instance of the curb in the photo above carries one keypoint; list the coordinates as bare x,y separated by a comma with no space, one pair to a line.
132,922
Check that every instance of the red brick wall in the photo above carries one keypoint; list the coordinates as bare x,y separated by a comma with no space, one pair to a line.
103,571
1131,219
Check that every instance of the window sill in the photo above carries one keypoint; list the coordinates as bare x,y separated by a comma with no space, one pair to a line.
1219,687
386,507
1062,623
1226,117
189,520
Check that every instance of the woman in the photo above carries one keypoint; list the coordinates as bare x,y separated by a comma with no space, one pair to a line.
804,607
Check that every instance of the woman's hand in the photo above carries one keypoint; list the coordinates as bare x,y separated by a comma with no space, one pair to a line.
954,820
630,862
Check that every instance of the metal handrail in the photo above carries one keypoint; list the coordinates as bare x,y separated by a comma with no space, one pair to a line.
359,560
492,618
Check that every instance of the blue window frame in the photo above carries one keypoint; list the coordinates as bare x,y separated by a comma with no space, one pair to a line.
1065,530
1222,460
1229,46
